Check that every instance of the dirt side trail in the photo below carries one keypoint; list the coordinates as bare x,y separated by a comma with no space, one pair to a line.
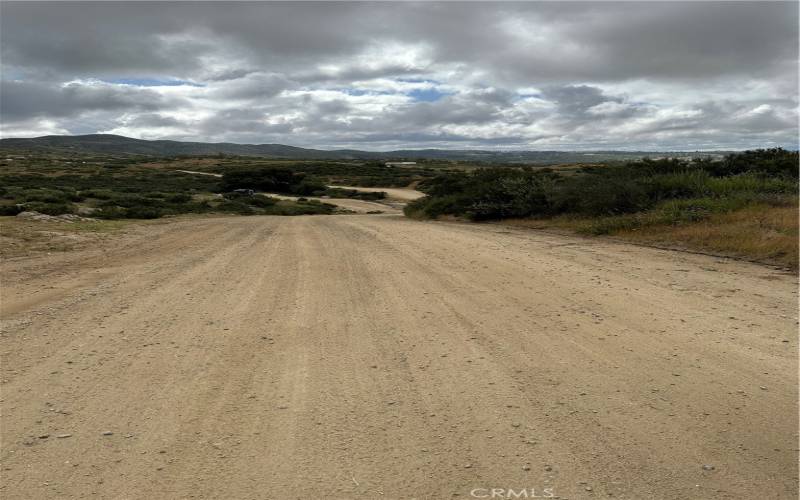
375,357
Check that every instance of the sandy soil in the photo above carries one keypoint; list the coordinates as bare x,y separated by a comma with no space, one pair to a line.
352,357
199,173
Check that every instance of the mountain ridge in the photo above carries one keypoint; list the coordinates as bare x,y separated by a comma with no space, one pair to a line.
121,145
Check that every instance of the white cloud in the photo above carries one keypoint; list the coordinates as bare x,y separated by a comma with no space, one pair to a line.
410,75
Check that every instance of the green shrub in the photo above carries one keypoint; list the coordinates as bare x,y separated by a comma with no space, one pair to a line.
131,201
143,212
110,212
235,206
11,209
100,194
686,184
751,183
260,201
608,225
50,196
308,187
50,208
274,180
771,162
179,198
765,176
599,195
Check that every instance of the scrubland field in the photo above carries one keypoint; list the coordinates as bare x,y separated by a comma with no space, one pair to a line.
743,205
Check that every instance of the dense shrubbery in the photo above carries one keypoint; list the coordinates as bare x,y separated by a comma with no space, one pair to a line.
147,206
352,193
286,181
128,191
273,180
364,174
101,180
498,193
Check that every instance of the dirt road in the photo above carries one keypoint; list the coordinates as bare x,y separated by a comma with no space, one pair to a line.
375,357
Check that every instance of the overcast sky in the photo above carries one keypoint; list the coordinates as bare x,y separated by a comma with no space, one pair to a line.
653,76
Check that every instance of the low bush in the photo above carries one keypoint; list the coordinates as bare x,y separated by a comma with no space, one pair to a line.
352,193
261,201
499,193
129,190
269,179
99,194
144,212
235,206
49,208
53,196
11,209
178,198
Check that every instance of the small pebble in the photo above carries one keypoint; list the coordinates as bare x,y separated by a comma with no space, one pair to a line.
108,433
708,467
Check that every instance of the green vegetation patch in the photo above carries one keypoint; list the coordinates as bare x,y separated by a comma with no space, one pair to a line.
132,189
672,189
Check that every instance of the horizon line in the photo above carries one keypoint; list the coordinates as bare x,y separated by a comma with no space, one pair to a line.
411,148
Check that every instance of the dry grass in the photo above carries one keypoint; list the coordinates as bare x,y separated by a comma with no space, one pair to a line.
762,233
20,237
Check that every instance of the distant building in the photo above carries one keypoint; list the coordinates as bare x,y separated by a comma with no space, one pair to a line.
400,163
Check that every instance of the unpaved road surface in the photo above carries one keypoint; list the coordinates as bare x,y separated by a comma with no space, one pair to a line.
374,357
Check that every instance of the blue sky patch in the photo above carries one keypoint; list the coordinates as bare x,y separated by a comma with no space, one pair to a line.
427,95
351,91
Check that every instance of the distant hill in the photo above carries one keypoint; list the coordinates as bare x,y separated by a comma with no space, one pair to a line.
119,145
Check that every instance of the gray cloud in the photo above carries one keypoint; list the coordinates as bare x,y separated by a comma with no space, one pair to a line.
536,75
255,85
24,99
577,100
